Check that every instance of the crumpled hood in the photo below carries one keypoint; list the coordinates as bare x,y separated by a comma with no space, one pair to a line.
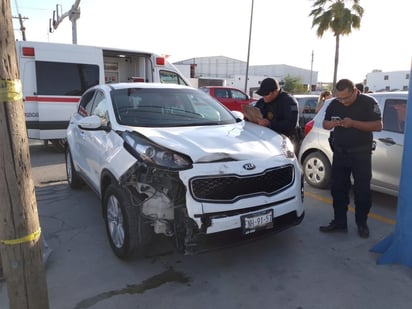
241,141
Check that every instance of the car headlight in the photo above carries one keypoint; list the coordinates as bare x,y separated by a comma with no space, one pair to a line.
150,153
287,147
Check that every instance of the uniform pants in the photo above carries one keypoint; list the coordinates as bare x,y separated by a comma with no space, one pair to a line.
359,166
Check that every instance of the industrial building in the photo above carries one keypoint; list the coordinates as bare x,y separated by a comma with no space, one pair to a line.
225,71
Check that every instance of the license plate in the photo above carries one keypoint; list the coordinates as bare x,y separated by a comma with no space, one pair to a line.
257,221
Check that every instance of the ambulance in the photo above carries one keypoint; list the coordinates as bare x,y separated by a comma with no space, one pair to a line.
54,76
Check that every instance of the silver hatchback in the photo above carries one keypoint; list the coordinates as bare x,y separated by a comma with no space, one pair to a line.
315,154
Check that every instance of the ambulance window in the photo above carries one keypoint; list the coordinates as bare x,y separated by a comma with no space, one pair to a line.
65,79
169,77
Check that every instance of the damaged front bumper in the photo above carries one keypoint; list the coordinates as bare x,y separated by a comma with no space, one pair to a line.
210,211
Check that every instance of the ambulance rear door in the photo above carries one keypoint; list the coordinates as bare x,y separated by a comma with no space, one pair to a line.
54,76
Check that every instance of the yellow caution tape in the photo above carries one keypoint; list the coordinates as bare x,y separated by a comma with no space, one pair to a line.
33,236
10,90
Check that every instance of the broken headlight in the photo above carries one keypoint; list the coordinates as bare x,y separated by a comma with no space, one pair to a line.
153,154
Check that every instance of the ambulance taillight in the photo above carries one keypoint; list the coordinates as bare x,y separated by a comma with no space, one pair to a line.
160,61
28,51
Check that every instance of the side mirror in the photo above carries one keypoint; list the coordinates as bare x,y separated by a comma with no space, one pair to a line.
90,123
238,115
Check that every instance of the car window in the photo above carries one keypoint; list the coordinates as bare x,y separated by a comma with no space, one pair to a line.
307,105
222,93
99,107
310,105
394,115
236,94
167,107
86,103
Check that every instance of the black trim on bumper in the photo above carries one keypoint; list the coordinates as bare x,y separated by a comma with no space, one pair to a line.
209,242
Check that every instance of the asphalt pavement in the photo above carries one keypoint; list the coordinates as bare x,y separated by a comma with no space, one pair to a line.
299,268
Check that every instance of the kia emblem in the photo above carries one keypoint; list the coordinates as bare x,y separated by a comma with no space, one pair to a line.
249,166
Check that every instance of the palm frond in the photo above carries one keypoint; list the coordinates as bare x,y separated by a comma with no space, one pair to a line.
338,16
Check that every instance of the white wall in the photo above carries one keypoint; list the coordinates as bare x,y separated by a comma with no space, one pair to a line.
387,81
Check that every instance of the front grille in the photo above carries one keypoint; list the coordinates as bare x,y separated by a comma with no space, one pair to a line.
229,188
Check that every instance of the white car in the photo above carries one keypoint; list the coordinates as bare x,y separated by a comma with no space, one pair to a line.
168,159
315,153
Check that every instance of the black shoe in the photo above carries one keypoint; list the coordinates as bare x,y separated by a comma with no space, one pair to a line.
363,231
333,227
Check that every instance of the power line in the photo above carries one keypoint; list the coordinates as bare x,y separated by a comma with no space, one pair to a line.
17,7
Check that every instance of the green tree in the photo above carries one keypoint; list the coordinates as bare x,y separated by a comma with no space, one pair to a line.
293,85
339,16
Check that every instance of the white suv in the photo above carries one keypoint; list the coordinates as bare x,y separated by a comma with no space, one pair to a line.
315,154
168,159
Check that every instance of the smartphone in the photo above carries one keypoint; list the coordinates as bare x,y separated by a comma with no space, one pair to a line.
336,118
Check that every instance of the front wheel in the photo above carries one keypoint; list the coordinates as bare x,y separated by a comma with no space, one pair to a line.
128,233
73,178
317,170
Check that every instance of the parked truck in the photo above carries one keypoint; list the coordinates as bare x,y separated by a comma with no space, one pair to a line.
54,76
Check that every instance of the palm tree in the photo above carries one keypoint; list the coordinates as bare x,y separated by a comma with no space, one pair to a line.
334,15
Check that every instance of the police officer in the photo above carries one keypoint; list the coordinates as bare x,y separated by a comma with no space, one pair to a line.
353,116
279,109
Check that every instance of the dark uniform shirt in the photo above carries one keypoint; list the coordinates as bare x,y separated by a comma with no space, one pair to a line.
365,108
281,112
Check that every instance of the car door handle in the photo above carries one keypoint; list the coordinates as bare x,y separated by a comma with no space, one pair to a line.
387,140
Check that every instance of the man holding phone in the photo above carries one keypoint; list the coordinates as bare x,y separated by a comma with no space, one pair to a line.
353,116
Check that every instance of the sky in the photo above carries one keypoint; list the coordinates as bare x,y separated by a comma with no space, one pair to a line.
281,33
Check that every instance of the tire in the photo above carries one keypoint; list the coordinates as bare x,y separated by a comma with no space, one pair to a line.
317,170
59,144
73,178
128,233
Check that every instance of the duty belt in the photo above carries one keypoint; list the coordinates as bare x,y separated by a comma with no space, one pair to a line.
360,149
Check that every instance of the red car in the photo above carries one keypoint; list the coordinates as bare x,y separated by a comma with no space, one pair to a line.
232,98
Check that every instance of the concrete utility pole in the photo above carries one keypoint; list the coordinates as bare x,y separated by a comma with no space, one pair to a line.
20,244
73,14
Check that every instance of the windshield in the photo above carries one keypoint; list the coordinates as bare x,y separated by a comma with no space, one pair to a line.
167,107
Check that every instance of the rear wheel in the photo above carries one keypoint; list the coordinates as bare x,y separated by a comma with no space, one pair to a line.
59,144
73,178
317,170
128,233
